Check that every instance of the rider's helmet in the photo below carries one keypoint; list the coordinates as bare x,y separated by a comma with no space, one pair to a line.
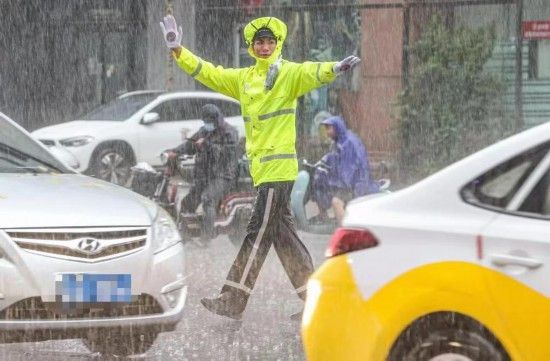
210,115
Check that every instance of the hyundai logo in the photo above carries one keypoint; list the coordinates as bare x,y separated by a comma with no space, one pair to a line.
88,245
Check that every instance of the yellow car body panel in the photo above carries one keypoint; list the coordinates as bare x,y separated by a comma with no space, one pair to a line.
339,324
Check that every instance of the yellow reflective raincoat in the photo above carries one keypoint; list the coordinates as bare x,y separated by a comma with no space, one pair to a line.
270,115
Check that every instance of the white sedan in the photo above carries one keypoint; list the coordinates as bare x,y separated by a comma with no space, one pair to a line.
135,127
455,267
80,257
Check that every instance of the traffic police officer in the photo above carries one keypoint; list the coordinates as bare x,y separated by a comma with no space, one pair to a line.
268,93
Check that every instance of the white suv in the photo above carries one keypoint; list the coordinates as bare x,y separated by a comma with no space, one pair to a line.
80,257
135,127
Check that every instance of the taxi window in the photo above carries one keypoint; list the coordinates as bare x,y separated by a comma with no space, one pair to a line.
538,201
496,187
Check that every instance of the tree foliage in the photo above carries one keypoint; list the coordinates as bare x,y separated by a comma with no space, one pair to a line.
452,105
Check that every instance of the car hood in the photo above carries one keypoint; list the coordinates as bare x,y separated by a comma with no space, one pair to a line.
73,129
69,200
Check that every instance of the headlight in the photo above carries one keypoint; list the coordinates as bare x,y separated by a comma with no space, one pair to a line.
163,158
164,232
76,141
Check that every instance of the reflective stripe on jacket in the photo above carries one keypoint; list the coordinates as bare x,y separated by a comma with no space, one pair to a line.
270,115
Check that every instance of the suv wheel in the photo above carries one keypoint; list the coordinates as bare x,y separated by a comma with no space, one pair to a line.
116,344
113,164
447,336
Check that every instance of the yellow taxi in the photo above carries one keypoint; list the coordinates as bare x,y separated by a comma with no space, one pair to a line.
453,268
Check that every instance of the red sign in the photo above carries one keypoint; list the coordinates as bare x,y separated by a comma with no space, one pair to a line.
536,29
250,5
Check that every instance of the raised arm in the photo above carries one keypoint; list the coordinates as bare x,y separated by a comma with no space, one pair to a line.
217,78
311,75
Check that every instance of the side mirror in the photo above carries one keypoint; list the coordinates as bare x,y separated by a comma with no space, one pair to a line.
150,118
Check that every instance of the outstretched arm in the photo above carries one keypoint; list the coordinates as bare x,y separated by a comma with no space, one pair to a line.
314,75
214,77
310,75
218,79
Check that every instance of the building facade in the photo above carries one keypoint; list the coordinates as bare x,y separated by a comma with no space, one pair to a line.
62,58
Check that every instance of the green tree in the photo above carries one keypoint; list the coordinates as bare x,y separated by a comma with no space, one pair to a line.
452,105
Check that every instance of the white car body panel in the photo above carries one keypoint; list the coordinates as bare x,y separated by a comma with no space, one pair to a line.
42,206
526,238
101,131
429,222
63,200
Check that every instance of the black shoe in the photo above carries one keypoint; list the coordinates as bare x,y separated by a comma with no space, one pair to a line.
226,305
297,316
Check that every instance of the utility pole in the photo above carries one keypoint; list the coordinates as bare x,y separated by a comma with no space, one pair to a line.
519,66
405,51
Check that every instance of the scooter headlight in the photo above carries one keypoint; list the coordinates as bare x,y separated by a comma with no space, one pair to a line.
163,158
164,232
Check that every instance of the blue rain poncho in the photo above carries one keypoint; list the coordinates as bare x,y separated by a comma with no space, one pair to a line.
346,166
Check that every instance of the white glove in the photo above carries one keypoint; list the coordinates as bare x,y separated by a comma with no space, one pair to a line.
172,34
342,66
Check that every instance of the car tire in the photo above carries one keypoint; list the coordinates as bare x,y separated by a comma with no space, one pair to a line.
447,336
115,344
113,163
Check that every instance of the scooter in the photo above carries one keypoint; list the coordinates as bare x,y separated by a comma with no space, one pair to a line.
302,193
167,190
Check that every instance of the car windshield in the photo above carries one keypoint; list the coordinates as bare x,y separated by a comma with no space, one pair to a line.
19,153
120,109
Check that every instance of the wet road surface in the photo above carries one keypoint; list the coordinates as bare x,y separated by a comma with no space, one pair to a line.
265,332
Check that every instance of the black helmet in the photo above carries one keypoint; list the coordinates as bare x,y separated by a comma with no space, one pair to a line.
211,114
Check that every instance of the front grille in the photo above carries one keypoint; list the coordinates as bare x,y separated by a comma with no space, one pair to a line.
47,142
67,236
34,309
87,245
63,251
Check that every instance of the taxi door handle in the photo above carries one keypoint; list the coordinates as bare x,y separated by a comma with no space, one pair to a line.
508,259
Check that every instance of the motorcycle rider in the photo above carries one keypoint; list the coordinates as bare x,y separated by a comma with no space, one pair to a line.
216,166
268,93
343,173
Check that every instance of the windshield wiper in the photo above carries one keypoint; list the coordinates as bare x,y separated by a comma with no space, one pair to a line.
21,169
22,155
35,170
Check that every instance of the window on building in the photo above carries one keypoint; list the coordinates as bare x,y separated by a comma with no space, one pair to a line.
539,59
543,60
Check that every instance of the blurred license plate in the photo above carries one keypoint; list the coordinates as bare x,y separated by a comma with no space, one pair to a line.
92,288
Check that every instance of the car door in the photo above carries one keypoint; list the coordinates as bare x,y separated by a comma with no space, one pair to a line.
516,244
178,118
